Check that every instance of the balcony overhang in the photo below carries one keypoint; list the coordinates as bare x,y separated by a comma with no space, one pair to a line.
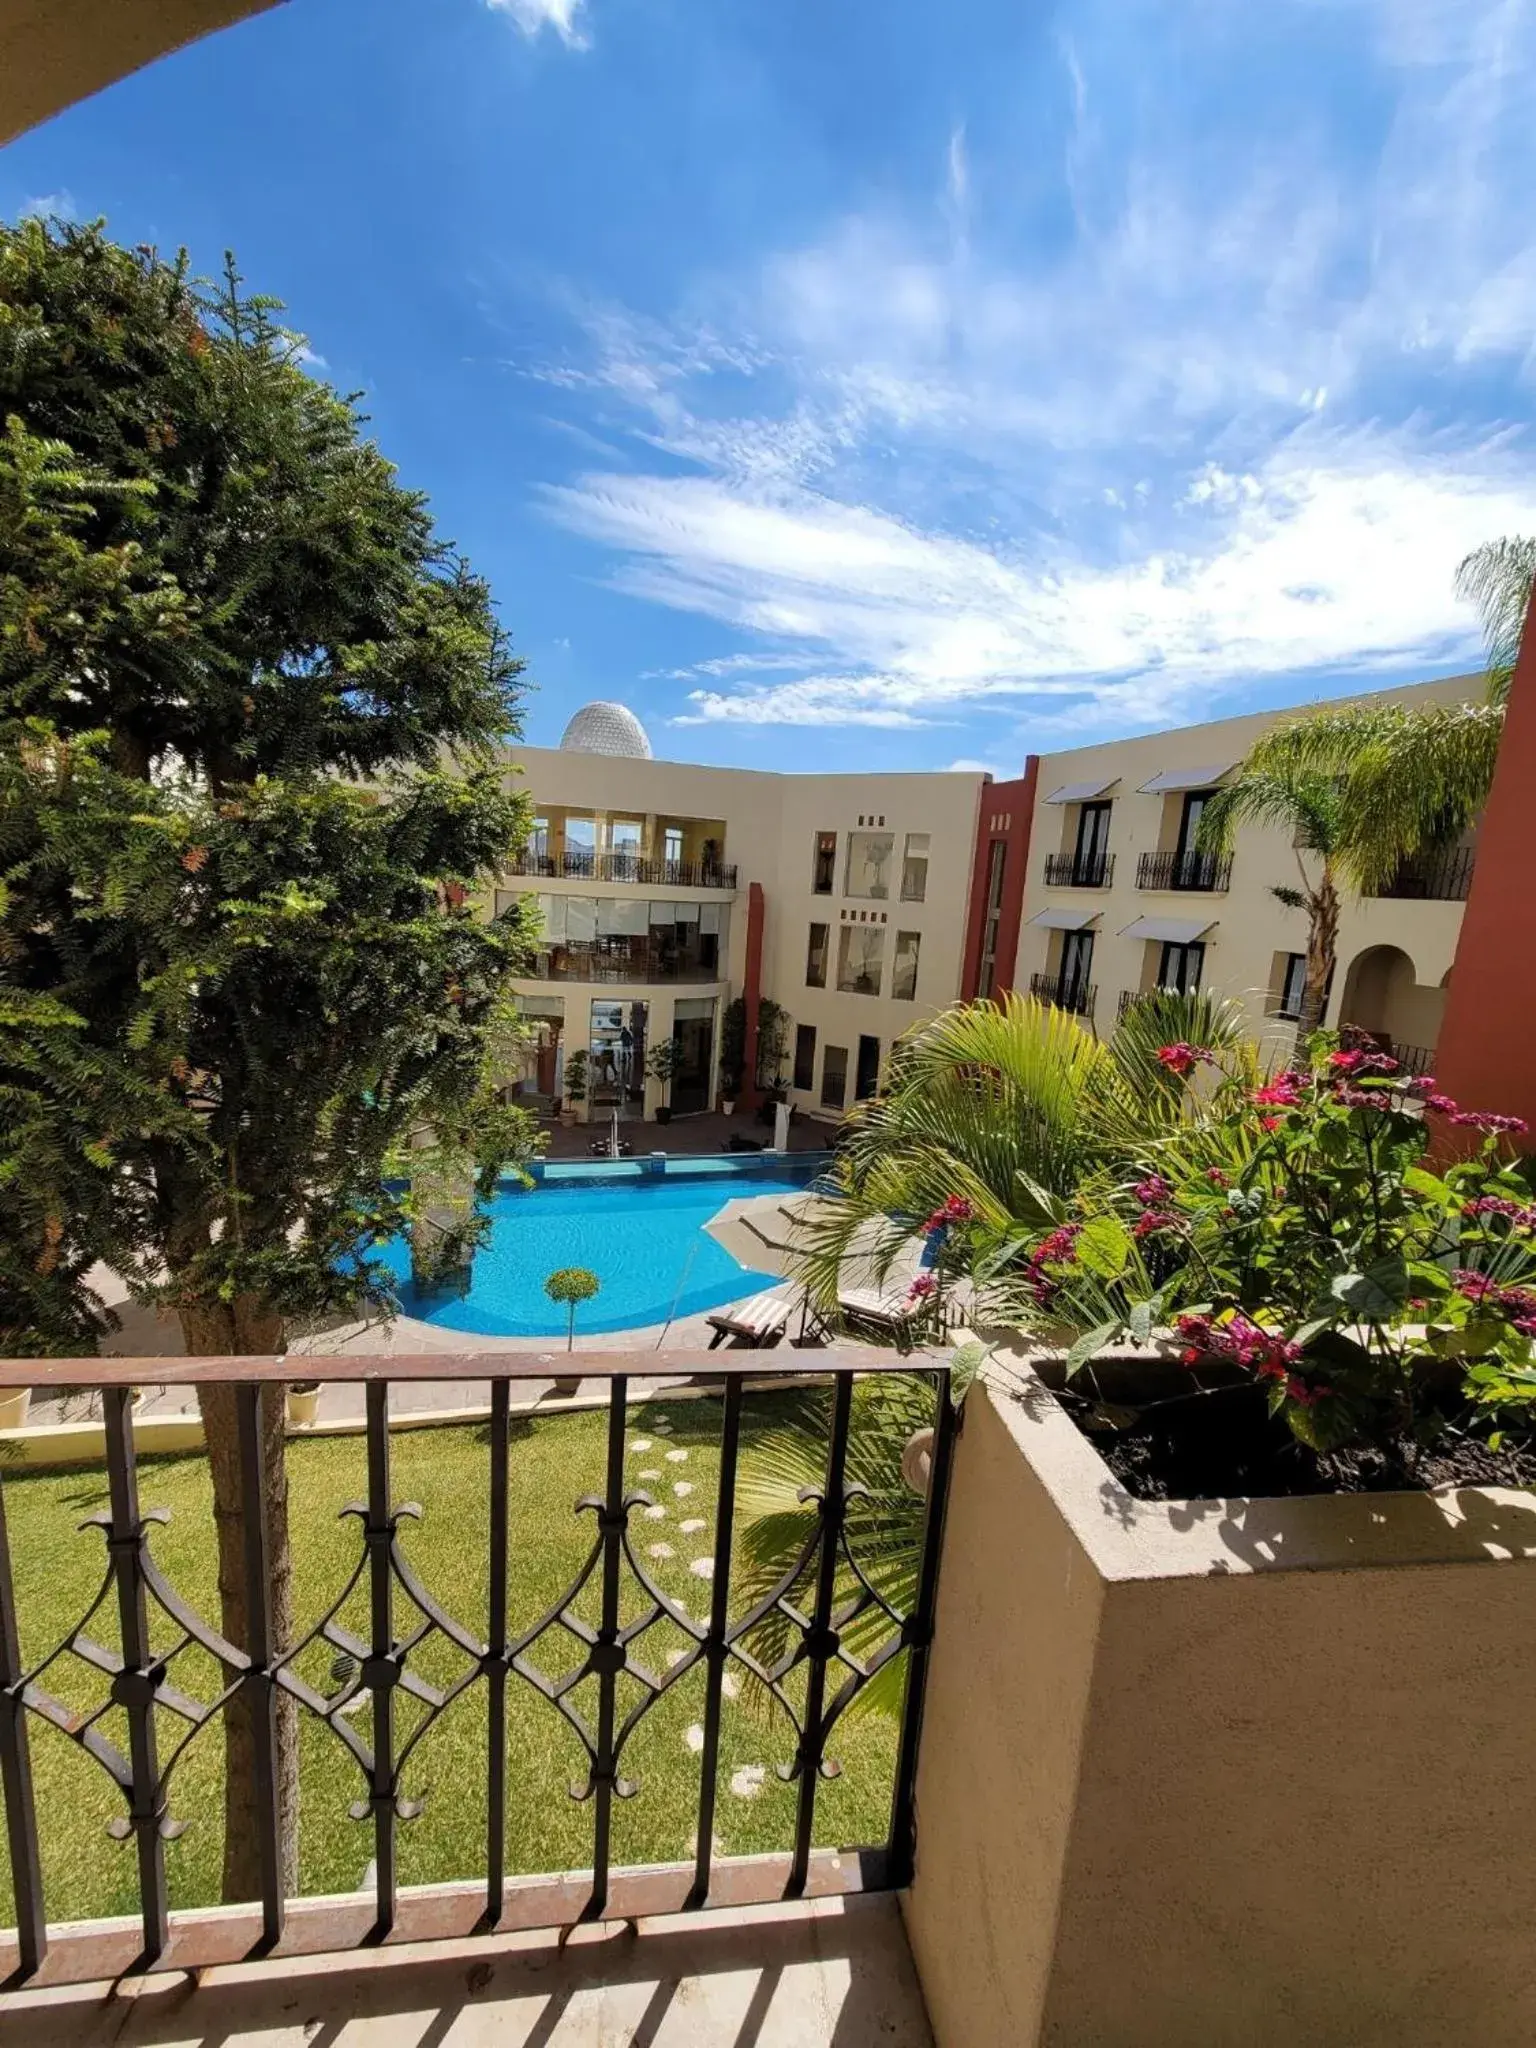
1170,931
54,52
1082,792
1065,920
1203,777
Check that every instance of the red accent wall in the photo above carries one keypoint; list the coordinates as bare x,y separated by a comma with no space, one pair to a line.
1015,801
752,989
1486,1057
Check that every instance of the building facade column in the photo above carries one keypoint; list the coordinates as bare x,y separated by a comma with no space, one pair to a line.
751,994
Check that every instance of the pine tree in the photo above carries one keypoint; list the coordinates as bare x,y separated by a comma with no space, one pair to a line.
250,708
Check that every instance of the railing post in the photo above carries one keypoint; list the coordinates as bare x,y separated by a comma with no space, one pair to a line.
607,1655
381,1672
260,1683
135,1686
821,1641
715,1642
496,1664
918,1635
16,1775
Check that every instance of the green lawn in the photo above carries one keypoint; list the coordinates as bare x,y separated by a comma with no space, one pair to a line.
554,1459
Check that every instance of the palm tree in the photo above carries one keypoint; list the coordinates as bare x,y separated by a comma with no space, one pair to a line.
1311,806
1010,1107
1415,777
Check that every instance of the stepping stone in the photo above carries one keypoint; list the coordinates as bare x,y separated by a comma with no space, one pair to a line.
695,1738
703,1567
661,1550
653,1474
731,1687
640,1443
682,1488
692,1526
677,1457
655,1514
747,1781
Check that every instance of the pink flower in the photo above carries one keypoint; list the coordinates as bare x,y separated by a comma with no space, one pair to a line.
1152,1220
955,1211
1483,1119
1152,1190
1358,1098
922,1287
1519,1218
1181,1058
1443,1105
1217,1178
1474,1286
1284,1091
1345,1062
1421,1084
1271,1123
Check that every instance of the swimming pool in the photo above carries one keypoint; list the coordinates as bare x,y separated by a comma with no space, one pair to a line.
641,1231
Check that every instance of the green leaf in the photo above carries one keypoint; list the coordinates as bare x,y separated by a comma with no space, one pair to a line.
1104,1247
1378,1292
1141,1316
1089,1345
1418,1180
963,1368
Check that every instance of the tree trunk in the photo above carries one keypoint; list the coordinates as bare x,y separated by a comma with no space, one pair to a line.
1322,947
210,1329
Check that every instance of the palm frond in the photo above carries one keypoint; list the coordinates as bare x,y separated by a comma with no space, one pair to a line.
1306,802
1497,578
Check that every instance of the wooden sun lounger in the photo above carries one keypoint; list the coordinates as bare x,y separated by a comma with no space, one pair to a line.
754,1324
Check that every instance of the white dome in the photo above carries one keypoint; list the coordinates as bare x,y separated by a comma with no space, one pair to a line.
606,729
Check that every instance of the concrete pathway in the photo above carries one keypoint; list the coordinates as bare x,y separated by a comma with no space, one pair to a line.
831,1974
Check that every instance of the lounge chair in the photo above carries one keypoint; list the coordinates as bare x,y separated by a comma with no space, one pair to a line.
754,1324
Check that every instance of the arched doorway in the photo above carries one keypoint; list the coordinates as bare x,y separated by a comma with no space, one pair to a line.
1383,995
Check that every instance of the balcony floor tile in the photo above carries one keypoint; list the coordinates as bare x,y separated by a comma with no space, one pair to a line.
835,1973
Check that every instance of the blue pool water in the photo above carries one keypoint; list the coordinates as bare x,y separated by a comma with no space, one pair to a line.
641,1233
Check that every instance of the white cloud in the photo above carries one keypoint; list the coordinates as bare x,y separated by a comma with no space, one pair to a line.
1163,458
563,16
58,205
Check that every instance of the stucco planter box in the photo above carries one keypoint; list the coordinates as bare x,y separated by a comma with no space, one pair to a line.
1223,1771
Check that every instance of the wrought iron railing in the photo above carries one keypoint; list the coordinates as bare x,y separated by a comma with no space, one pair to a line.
1205,872
825,1592
1079,871
1437,877
1064,992
622,963
623,867
1413,1059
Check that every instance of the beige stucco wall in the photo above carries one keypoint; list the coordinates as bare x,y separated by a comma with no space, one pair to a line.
1222,1773
1250,926
54,52
771,822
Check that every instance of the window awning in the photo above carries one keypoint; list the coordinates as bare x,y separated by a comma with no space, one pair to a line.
1171,931
1064,920
1205,777
1081,792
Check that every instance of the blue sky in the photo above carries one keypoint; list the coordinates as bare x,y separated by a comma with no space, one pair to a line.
878,384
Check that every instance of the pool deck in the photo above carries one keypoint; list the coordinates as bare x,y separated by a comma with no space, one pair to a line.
146,1333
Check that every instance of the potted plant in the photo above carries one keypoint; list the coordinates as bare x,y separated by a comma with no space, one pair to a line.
575,1085
571,1285
303,1403
1273,1503
661,1065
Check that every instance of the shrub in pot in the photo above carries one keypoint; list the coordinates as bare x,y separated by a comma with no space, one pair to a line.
661,1065
575,1085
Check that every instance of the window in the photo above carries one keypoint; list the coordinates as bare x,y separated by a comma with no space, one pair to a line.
1091,855
538,840
1195,802
580,846
672,844
869,864
995,863
816,957
914,868
1076,968
1181,966
867,1073
1293,983
904,967
834,1077
860,957
824,870
624,836
805,1056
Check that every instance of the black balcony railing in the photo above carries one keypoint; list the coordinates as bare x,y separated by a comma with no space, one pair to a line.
146,1645
624,867
1064,993
1079,871
1413,1059
1436,877
624,960
1206,872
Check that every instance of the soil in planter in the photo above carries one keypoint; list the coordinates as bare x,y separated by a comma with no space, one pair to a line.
1226,1444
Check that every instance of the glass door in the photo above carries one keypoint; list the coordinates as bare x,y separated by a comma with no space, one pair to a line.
617,1071
1182,966
1076,968
693,1035
1092,845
